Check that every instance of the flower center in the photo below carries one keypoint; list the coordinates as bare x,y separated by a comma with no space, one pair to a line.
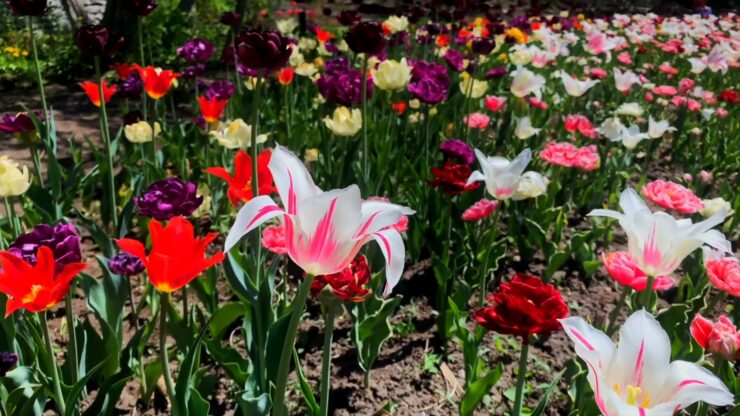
636,396
35,289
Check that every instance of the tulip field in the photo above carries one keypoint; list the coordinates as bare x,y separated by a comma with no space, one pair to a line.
441,208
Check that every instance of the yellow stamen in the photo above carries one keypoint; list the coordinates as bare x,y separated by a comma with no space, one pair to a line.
633,392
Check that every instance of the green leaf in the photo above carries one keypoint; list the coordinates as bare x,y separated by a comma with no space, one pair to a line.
255,406
542,405
275,338
555,261
306,389
108,394
74,394
478,389
371,332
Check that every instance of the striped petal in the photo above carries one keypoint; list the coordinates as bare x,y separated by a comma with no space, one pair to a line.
250,216
391,245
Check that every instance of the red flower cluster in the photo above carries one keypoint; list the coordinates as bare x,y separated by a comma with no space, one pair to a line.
523,307
348,285
452,178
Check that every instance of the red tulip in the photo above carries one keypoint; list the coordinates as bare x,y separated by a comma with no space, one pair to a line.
177,256
38,287
212,108
240,185
157,82
349,284
93,92
123,69
285,75
525,306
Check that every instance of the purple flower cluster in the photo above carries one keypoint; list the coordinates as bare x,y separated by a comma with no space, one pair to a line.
62,239
343,86
168,198
430,82
196,50
221,90
125,264
458,151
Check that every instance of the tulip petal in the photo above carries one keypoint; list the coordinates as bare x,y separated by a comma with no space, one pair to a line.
592,345
391,245
292,179
688,383
476,176
250,216
644,353
133,247
377,215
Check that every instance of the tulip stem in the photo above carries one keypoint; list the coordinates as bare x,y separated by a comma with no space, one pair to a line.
53,361
164,301
72,335
521,376
489,244
326,359
285,357
647,294
139,31
365,151
612,324
12,219
107,143
40,79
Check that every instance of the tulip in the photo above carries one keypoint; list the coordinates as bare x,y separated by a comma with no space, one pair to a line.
673,196
93,91
657,241
392,75
482,46
494,103
714,205
473,88
624,80
168,198
265,50
575,87
503,177
236,135
524,128
623,269
157,82
98,41
8,362
395,24
452,177
285,75
657,129
196,50
240,184
723,271
637,377
344,122
141,132
14,180
366,37
212,108
125,264
721,337
324,230
457,150
526,82
33,8
479,210
348,285
141,7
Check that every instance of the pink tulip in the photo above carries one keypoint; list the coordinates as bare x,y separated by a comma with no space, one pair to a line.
720,337
495,103
479,210
673,196
623,268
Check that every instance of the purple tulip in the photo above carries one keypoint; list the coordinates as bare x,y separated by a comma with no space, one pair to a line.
196,50
141,7
8,361
18,123
343,87
430,82
454,59
190,72
267,50
366,37
221,90
230,19
498,72
458,150
98,40
125,264
62,239
131,87
482,46
168,198
340,63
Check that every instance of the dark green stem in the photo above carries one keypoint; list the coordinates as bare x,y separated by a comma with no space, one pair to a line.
489,245
365,146
72,335
53,361
281,379
326,359
107,143
521,377
164,301
612,324
12,219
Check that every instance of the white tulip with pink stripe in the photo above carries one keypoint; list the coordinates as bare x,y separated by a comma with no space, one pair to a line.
657,241
323,230
637,378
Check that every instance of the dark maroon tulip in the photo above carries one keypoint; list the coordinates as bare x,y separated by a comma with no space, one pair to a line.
132,117
348,17
141,7
36,8
483,46
366,37
267,50
231,19
98,40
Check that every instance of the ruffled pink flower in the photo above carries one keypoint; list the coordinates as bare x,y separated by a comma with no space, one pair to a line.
673,196
649,96
668,69
273,239
598,73
665,90
581,124
480,210
724,273
494,103
721,112
537,103
693,105
622,267
686,85
477,121
568,155
721,337
624,58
